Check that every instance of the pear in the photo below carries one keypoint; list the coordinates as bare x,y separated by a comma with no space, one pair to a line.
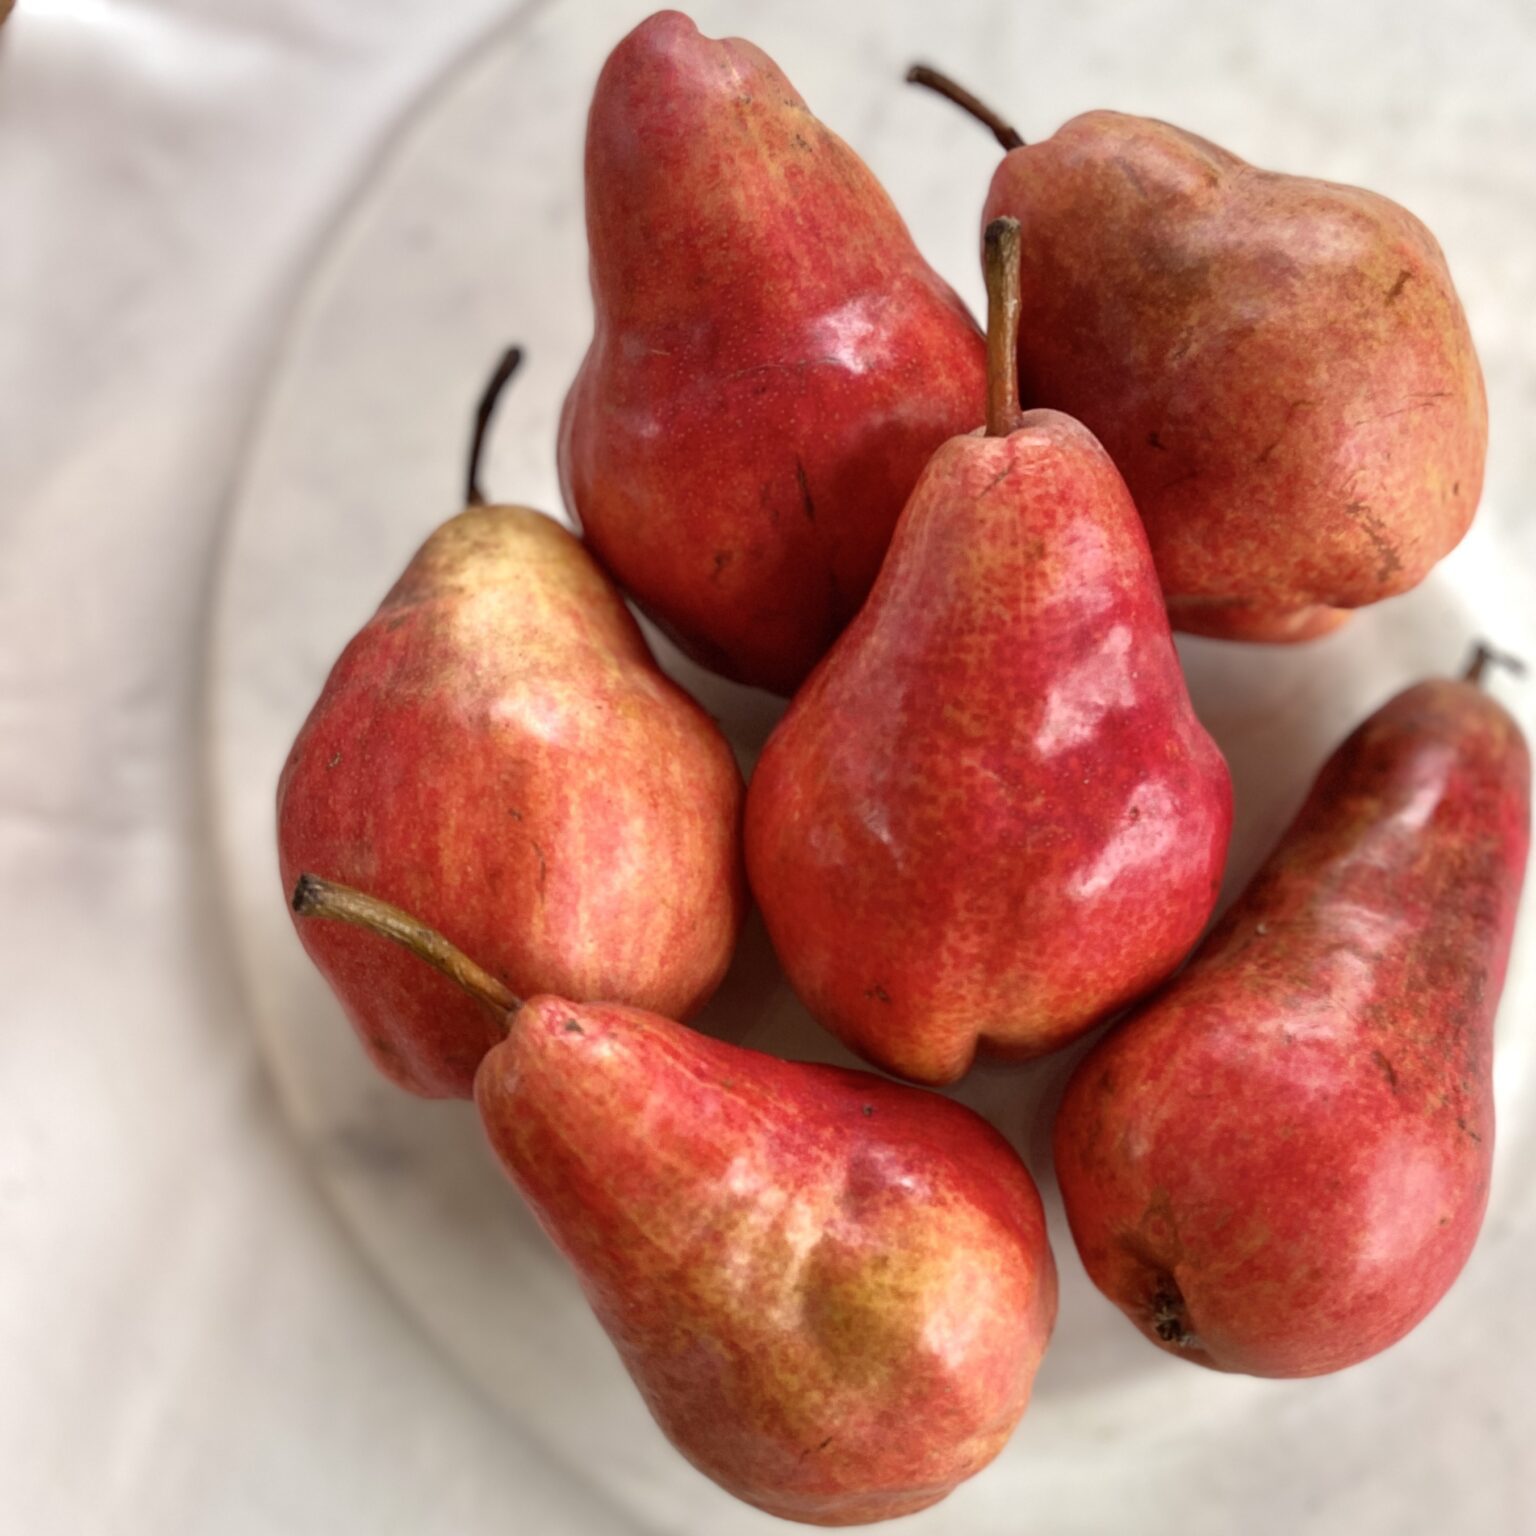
1280,367
498,748
831,1290
1280,1164
991,818
772,361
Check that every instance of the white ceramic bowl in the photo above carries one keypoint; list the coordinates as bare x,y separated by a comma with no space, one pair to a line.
469,235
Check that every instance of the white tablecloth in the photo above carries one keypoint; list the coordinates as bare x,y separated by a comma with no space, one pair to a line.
187,1343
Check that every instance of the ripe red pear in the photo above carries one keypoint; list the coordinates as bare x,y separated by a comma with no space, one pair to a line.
1280,367
497,748
832,1291
991,818
772,360
1280,1164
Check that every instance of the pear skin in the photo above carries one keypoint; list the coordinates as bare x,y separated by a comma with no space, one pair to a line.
497,750
832,1291
772,360
1280,368
1280,1164
991,818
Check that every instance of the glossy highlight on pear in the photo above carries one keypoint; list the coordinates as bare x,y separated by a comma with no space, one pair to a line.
1280,367
497,750
1280,1164
772,361
832,1291
991,818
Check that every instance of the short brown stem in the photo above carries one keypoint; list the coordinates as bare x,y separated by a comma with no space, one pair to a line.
1002,272
314,897
510,360
1002,131
1484,655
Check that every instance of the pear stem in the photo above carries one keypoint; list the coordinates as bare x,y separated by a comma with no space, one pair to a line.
510,360
1005,134
1482,655
314,897
1002,270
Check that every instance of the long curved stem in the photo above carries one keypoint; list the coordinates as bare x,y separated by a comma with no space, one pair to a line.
314,897
1003,131
510,361
1002,271
1482,655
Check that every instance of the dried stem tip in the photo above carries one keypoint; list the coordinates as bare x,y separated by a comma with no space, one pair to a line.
1484,656
1002,271
510,361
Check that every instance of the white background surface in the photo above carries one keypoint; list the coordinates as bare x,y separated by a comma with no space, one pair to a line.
188,1341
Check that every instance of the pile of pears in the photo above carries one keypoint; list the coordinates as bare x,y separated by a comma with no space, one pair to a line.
1208,397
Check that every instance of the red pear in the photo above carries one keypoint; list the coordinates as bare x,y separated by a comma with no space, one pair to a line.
831,1290
991,818
772,361
1280,367
498,748
1280,1164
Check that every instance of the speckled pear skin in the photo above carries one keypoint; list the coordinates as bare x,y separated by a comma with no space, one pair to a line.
1280,367
772,361
991,817
833,1291
1280,1164
497,751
